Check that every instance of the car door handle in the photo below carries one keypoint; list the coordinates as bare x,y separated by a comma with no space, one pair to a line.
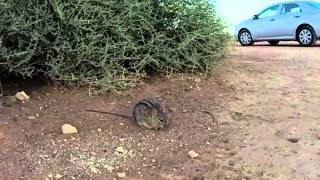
272,19
297,16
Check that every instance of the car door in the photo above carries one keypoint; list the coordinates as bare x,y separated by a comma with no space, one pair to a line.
285,25
262,27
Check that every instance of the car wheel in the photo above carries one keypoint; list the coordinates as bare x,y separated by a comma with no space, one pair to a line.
307,36
245,38
273,43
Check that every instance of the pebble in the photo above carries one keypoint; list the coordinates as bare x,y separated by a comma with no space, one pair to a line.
69,129
50,176
197,80
22,96
58,176
32,117
192,154
94,169
109,168
120,149
293,140
121,175
99,130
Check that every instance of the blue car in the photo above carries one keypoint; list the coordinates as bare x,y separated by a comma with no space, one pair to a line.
289,21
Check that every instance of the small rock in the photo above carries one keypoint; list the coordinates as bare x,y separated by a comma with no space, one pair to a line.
226,141
50,176
58,176
109,168
293,140
121,175
69,129
120,149
93,169
22,96
231,163
192,154
32,117
122,139
197,80
173,109
99,130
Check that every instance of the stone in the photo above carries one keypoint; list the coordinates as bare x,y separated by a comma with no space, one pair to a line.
293,140
120,149
197,80
94,169
109,168
22,96
50,176
58,176
32,117
121,175
69,129
192,154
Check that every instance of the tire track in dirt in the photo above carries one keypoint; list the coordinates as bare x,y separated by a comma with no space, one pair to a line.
276,108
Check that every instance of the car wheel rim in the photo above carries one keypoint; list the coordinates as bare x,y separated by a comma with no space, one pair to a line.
305,36
245,38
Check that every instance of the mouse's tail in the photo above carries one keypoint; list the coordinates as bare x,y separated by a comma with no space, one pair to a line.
110,113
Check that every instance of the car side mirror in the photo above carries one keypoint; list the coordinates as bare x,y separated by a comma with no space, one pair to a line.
255,17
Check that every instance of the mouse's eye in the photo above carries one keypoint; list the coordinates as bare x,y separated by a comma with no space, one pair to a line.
161,120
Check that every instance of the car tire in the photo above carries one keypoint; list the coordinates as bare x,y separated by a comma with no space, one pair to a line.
245,38
306,36
273,43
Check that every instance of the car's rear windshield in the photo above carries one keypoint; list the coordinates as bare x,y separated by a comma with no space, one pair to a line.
315,4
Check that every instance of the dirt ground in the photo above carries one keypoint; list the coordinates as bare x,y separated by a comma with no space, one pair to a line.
265,124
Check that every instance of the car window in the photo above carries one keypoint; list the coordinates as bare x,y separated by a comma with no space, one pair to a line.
272,11
315,4
291,8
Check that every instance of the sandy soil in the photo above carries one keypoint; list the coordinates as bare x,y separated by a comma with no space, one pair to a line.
265,125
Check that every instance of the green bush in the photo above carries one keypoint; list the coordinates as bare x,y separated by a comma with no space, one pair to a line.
108,44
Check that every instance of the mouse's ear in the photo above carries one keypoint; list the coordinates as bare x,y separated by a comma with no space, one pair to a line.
150,103
155,104
144,102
